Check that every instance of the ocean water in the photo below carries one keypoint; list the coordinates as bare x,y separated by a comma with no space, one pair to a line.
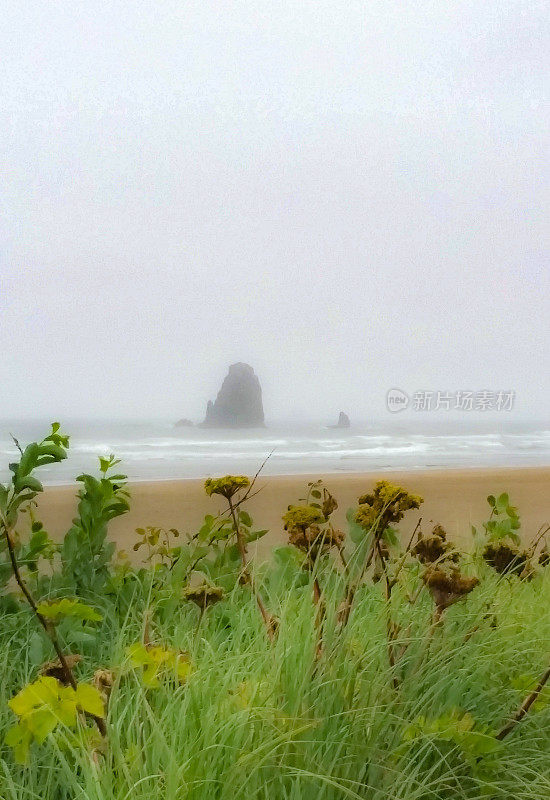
157,450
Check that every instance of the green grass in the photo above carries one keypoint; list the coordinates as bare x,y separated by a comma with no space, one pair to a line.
269,721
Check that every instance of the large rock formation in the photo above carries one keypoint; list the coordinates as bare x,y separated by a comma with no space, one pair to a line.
343,421
239,401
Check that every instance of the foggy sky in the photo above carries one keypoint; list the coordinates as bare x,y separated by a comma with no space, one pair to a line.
350,196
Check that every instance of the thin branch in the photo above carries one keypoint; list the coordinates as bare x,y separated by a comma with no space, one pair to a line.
352,587
389,624
542,531
343,559
405,554
247,497
525,706
247,494
262,465
247,577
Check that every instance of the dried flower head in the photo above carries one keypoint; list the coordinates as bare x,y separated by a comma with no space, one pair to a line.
103,680
203,595
226,486
429,549
448,586
272,625
505,559
329,504
385,505
54,668
303,524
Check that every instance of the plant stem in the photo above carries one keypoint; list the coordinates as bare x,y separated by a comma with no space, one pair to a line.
389,626
352,587
199,623
319,615
525,706
246,573
405,554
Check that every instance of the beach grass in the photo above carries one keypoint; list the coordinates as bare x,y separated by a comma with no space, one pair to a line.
272,720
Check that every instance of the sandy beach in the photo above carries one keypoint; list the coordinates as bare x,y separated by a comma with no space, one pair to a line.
454,498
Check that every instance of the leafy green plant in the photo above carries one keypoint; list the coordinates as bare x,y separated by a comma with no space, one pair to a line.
239,528
158,544
45,704
86,554
310,530
157,662
312,533
475,742
55,610
499,544
23,489
374,521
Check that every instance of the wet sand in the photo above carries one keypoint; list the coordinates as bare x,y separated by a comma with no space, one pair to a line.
454,498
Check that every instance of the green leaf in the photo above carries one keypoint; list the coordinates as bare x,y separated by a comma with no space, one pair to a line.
183,669
138,654
391,536
33,484
245,518
52,452
44,691
150,676
233,554
286,555
35,648
19,738
68,608
356,532
205,530
503,501
316,493
254,535
89,699
41,723
491,500
28,460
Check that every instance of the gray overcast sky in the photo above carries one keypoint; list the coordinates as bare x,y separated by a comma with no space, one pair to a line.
349,195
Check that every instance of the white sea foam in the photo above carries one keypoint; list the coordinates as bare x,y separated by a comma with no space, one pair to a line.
155,451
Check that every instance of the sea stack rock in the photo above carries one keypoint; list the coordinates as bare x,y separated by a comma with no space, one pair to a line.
239,401
343,421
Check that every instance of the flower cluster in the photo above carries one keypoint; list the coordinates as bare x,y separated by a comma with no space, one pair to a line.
434,548
307,531
505,558
448,586
385,505
227,486
203,595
